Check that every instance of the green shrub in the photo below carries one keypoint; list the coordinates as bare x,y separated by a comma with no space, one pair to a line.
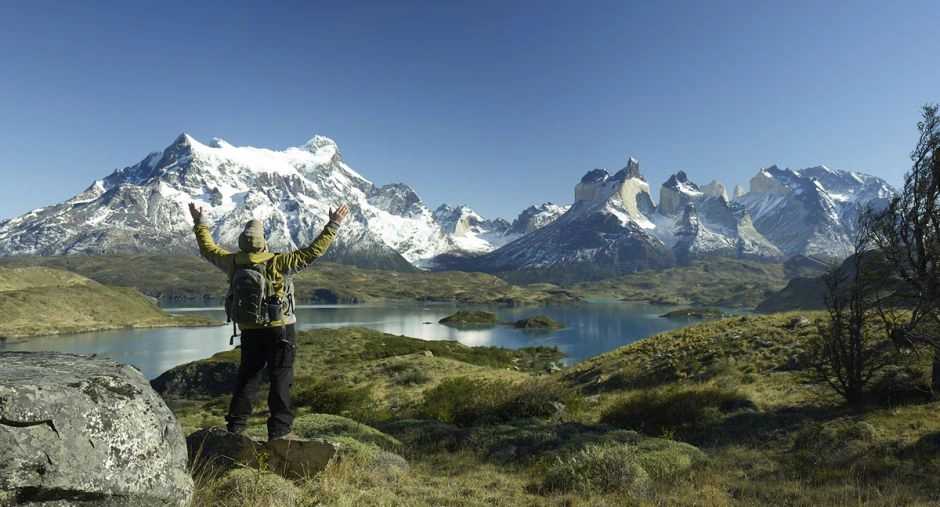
330,426
465,401
413,377
625,468
655,411
322,396
607,469
249,487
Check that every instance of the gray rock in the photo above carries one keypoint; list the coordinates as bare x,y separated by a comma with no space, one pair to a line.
213,451
85,430
297,458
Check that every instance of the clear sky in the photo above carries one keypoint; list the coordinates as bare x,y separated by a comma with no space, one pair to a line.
494,104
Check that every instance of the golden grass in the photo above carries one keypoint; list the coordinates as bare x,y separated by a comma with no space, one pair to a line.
40,301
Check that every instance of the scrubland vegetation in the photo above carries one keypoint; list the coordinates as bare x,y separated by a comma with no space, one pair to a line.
726,412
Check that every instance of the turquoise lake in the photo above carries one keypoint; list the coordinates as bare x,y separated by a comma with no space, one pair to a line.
591,329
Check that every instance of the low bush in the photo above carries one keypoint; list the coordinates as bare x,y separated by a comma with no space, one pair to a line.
411,378
607,469
664,410
248,487
464,401
325,397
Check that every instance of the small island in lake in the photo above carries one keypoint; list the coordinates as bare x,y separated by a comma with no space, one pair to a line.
471,317
538,322
694,313
476,317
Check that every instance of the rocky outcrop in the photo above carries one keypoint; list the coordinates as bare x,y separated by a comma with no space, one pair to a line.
198,380
677,193
85,430
214,450
715,189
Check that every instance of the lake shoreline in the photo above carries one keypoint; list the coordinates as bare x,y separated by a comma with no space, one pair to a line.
187,321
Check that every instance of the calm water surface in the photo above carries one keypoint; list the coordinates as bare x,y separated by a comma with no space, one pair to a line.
592,329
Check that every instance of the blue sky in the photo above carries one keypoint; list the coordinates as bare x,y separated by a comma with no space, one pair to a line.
497,105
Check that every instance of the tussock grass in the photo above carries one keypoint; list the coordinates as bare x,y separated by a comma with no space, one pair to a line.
466,401
665,410
718,413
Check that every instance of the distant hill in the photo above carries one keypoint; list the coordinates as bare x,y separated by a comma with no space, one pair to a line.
39,301
710,281
188,279
808,291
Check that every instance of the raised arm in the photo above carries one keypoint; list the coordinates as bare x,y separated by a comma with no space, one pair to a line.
292,262
207,247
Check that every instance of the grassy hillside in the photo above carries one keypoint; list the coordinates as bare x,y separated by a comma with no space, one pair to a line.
188,278
711,282
718,413
38,301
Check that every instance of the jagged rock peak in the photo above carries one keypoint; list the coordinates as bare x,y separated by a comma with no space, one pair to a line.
680,179
596,176
184,139
738,192
714,189
766,181
630,171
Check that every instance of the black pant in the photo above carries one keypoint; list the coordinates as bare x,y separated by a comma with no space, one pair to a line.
273,347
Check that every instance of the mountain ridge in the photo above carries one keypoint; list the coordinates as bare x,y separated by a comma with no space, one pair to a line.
614,223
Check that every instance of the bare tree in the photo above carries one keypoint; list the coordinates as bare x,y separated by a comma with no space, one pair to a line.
852,346
907,232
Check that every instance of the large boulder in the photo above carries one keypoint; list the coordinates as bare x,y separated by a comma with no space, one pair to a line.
85,430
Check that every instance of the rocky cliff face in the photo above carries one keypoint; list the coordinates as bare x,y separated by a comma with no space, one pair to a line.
811,211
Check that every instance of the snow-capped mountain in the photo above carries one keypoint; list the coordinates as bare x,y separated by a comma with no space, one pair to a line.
470,232
604,233
614,227
536,217
812,211
700,222
143,208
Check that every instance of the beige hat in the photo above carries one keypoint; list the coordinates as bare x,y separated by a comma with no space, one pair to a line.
252,238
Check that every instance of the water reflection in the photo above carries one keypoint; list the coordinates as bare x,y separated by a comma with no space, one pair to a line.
592,329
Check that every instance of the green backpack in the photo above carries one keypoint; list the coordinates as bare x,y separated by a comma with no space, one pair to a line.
249,294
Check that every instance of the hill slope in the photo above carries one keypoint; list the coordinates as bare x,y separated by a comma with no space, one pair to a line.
38,301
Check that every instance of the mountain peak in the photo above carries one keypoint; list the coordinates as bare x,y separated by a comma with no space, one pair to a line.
319,142
596,176
631,170
680,180
219,143
184,139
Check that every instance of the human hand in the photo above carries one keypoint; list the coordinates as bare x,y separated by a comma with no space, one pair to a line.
197,213
340,214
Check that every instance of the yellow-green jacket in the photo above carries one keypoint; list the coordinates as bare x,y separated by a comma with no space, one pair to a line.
277,263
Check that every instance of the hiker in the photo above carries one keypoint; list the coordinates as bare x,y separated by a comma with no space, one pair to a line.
271,341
